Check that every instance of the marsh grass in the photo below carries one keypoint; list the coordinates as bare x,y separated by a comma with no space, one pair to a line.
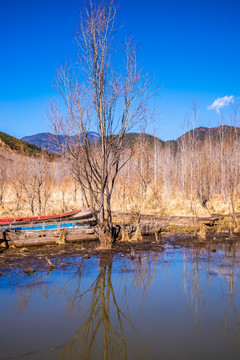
172,205
202,232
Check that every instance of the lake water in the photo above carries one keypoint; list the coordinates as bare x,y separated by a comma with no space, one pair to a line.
181,303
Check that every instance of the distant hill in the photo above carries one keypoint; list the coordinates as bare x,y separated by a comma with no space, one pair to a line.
48,141
202,134
131,139
11,143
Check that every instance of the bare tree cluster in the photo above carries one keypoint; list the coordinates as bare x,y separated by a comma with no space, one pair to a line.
198,173
99,96
36,186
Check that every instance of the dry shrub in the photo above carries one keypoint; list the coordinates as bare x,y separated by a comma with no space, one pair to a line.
202,233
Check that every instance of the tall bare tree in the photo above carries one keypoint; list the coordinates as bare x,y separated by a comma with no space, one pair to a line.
99,97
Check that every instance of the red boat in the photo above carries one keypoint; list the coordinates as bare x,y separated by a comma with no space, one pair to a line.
79,214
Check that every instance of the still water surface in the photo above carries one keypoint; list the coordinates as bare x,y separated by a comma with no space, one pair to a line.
182,303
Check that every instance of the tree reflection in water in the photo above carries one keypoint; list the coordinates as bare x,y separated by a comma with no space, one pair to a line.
106,324
225,264
191,283
233,292
105,320
37,284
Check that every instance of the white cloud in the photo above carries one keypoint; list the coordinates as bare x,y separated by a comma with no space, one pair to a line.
220,103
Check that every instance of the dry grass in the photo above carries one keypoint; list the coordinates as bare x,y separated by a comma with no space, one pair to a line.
55,205
169,205
202,233
64,200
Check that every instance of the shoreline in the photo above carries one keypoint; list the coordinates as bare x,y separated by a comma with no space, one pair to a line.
57,257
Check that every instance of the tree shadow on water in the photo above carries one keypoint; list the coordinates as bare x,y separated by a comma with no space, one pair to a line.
103,334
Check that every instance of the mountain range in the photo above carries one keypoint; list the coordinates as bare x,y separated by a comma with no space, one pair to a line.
48,142
45,144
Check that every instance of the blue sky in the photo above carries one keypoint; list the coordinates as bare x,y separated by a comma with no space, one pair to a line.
192,47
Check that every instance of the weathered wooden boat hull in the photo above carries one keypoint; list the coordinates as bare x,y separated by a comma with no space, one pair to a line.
36,238
21,233
73,215
56,237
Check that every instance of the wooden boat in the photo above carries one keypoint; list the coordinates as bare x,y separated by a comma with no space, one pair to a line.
46,230
79,214
47,237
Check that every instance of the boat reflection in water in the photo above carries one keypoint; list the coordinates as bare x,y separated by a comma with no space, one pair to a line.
179,303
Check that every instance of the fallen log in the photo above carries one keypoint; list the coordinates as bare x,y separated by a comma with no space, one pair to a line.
166,220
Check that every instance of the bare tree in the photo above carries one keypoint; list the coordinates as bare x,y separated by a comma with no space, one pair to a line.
99,97
34,179
3,177
42,181
17,182
62,174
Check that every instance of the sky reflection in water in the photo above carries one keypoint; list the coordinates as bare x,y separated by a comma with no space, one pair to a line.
179,303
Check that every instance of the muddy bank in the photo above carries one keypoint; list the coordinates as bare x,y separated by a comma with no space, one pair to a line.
52,257
37,258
